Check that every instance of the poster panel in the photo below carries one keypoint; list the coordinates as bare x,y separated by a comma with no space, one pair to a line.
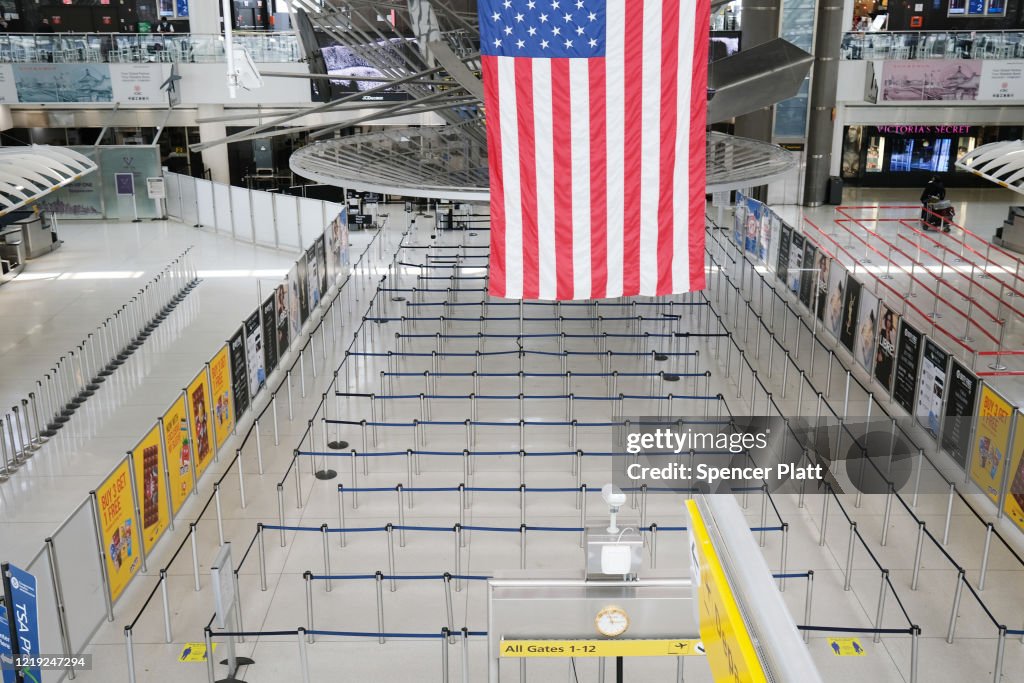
917,80
179,452
770,223
282,318
960,407
739,219
220,395
343,256
908,361
302,284
851,306
796,262
867,328
151,486
321,263
885,349
991,442
118,529
752,227
239,378
137,84
312,281
199,404
1013,505
294,308
836,297
1001,80
782,262
331,236
61,82
822,264
808,276
933,386
256,373
268,319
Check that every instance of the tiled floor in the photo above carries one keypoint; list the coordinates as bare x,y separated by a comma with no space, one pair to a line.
37,498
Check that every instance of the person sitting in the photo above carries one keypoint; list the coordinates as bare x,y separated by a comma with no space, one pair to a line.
164,26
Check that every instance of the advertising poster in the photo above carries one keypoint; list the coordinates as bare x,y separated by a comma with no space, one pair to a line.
739,219
348,64
119,529
960,407
885,350
198,394
1001,80
808,276
269,322
822,263
148,465
239,378
782,262
331,237
282,318
991,442
294,308
312,281
867,328
59,83
908,361
769,228
1013,506
220,395
796,262
752,226
256,373
933,386
930,80
321,263
179,452
833,320
137,84
343,244
302,289
851,307
82,198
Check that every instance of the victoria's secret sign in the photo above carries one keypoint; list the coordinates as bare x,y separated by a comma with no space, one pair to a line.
913,130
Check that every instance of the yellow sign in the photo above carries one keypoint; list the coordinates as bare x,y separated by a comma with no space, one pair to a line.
120,540
221,402
195,652
601,648
729,648
151,487
846,647
198,393
991,440
1014,504
179,452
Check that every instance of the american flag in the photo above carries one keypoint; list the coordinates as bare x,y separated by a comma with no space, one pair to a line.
596,115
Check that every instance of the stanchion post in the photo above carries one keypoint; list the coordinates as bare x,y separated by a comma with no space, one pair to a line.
956,605
918,548
881,605
808,596
195,554
262,555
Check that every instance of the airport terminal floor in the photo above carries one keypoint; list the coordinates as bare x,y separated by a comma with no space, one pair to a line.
413,438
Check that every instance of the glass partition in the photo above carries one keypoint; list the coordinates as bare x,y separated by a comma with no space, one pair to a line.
143,47
932,45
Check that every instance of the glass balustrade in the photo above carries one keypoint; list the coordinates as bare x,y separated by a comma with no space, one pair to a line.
933,45
143,47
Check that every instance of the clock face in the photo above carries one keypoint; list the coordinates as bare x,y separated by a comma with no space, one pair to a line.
611,621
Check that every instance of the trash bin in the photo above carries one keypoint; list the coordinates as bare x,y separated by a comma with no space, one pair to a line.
835,190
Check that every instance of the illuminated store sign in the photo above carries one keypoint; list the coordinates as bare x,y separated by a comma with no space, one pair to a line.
916,130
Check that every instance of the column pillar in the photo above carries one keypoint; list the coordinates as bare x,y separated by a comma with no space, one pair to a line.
215,159
759,23
828,32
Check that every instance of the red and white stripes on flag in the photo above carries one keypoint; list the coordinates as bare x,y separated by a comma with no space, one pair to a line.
597,164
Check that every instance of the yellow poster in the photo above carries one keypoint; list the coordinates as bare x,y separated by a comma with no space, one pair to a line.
179,452
118,528
220,396
727,642
198,393
991,441
151,487
1014,504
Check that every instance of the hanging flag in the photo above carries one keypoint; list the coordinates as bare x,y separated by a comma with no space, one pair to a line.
596,115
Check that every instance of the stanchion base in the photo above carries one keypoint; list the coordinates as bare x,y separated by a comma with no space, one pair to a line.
136,220
84,394
337,445
120,358
241,661
670,378
134,346
398,298
48,432
324,475
68,411
92,388
98,379
998,367
660,356
76,401
473,234
230,679
104,373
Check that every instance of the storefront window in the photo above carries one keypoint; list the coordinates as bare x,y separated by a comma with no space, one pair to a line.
851,152
920,154
875,155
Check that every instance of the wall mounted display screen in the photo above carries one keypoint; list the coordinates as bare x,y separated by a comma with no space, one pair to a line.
956,428
933,387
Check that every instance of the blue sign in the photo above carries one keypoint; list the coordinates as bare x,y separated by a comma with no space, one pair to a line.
24,616
125,183
6,656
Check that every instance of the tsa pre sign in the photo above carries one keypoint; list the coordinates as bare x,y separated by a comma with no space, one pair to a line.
23,619
220,395
148,464
119,529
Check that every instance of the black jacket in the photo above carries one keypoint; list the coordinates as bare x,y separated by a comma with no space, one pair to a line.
933,189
